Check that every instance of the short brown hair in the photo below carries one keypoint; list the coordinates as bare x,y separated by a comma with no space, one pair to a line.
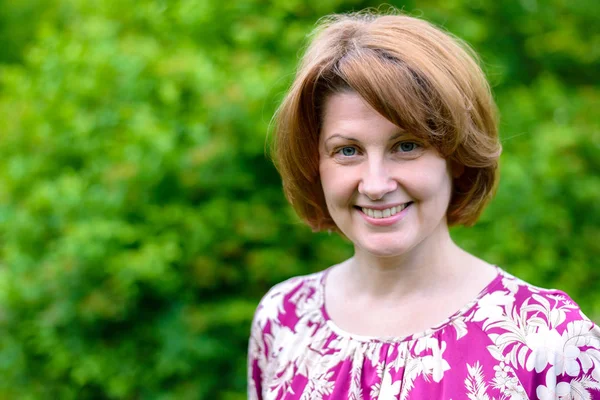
420,78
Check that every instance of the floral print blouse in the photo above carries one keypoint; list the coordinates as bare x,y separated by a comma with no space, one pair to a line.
514,341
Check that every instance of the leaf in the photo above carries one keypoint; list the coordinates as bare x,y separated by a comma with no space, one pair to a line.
545,303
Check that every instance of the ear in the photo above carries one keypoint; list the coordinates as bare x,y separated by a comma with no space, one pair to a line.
456,169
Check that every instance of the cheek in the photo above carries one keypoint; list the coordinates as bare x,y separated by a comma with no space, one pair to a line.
337,183
327,183
434,183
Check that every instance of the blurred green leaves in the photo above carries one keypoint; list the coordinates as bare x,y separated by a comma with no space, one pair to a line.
140,220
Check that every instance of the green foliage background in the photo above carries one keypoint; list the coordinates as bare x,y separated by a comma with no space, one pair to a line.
140,221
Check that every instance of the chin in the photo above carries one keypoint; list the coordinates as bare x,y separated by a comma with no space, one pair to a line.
384,248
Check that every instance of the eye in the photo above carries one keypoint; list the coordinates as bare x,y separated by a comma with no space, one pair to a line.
407,147
347,151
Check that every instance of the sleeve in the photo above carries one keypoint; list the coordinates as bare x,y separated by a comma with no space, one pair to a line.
256,358
575,365
263,336
582,359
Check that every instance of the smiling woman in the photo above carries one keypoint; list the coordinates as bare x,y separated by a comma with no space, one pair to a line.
388,136
372,169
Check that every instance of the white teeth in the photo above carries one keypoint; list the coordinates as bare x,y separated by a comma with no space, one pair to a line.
388,212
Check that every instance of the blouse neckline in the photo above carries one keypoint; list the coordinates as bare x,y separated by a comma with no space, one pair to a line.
490,287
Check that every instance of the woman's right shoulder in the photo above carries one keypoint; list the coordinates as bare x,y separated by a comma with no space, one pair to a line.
284,298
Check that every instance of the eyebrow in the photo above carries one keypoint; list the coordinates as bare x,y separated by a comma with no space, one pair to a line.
337,135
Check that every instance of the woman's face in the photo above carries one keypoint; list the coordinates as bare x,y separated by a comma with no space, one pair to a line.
385,190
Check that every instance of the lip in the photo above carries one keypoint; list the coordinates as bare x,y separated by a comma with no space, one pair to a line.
384,206
385,221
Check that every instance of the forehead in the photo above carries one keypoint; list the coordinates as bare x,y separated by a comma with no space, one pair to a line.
348,113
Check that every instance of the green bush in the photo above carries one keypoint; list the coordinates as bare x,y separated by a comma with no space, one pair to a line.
141,221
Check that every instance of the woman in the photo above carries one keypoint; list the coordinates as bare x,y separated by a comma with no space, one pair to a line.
388,136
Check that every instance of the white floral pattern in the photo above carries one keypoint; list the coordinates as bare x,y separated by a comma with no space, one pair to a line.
514,341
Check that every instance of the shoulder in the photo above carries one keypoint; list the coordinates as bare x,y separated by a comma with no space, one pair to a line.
511,298
284,300
543,337
277,315
545,308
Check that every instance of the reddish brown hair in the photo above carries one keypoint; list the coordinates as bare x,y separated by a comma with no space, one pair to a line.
422,79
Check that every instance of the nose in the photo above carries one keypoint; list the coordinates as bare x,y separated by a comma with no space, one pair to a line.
376,180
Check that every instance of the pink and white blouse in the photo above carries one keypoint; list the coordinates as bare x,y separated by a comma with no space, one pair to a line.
514,341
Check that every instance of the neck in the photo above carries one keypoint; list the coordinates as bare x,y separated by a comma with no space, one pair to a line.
428,267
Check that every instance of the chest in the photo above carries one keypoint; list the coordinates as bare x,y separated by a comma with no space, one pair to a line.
343,368
400,320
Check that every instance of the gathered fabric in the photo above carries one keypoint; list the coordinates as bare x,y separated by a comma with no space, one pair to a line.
513,341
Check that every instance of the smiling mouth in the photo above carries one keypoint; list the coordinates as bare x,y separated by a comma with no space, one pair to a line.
388,212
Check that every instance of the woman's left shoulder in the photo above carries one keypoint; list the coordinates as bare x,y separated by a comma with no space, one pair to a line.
552,308
543,337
